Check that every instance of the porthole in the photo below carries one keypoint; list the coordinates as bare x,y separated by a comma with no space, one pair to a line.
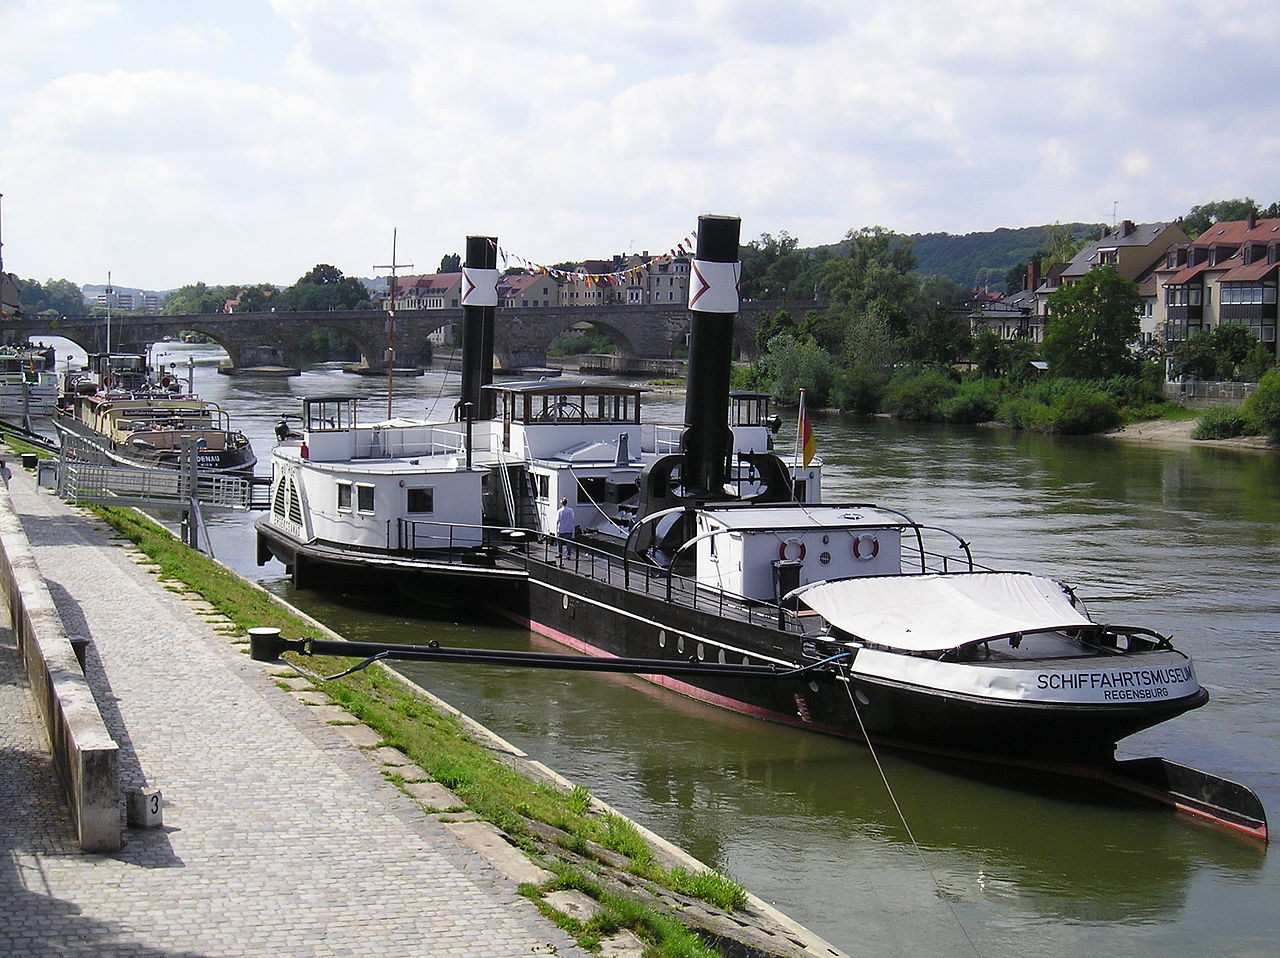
701,654
813,686
723,658
680,644
565,600
825,558
861,696
662,639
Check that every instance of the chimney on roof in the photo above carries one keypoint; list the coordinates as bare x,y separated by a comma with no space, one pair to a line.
1033,275
1250,222
1127,228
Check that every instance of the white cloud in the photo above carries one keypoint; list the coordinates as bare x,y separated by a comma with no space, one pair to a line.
270,138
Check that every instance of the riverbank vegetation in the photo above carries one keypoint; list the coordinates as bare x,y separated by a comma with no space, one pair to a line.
1258,415
892,342
584,846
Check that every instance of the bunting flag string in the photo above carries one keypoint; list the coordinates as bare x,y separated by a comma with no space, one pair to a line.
633,273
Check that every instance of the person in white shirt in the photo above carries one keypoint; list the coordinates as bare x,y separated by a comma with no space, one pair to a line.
566,524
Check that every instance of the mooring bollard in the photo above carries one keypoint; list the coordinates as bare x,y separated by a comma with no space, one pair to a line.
264,644
145,808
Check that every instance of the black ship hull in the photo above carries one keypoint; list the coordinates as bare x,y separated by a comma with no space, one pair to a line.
598,618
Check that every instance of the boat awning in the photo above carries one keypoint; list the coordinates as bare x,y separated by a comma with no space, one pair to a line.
936,612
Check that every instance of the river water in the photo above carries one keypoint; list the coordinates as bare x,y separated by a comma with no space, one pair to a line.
1185,541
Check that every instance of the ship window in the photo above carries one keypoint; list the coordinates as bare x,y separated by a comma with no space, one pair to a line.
364,498
344,497
421,500
544,487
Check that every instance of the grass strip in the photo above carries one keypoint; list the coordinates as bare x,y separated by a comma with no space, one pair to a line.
437,743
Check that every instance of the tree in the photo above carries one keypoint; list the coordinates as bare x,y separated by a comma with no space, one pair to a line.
874,275
1206,214
989,353
60,296
450,263
771,266
325,288
941,340
1232,342
1195,357
771,326
1225,353
196,299
1061,244
1263,405
790,366
1092,325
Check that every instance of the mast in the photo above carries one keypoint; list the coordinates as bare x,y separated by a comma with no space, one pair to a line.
713,301
391,321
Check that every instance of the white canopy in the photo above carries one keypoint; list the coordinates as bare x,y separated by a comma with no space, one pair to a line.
935,612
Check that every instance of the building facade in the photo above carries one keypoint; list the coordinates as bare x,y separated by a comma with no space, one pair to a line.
1228,275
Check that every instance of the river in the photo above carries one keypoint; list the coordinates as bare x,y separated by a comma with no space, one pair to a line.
1185,541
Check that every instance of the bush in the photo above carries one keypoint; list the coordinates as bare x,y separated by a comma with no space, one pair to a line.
859,390
1222,422
921,395
976,401
1082,409
1263,405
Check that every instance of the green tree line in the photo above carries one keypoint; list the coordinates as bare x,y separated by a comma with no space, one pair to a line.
894,341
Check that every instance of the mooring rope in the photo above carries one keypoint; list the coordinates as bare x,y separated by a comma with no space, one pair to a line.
903,818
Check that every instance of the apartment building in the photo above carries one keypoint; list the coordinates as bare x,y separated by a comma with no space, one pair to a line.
428,291
628,280
1227,275
521,289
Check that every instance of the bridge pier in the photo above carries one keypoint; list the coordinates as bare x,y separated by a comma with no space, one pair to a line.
258,360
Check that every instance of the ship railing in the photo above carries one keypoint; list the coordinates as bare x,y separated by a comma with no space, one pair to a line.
403,442
128,485
954,556
416,536
643,578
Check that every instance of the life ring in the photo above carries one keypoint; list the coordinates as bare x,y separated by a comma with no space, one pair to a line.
108,380
792,549
866,547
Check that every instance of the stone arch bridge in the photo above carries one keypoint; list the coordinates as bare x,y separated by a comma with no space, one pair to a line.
521,336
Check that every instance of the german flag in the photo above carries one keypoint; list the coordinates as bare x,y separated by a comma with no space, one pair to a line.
808,443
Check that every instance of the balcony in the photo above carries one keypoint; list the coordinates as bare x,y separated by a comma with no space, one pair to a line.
1185,314
1255,314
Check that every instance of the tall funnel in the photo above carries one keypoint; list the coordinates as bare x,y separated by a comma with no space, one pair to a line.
479,298
713,301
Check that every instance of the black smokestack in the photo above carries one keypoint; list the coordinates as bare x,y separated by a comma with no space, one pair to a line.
713,302
479,297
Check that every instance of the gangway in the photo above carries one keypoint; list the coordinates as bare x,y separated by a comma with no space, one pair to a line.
87,474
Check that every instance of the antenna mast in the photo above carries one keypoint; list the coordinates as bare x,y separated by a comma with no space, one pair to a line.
391,319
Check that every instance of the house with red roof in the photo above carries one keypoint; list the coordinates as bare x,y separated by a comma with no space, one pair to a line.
525,290
1227,275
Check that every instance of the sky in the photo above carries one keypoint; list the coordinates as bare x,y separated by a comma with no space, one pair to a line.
170,142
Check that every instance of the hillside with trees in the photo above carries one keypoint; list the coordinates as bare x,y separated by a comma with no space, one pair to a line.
895,335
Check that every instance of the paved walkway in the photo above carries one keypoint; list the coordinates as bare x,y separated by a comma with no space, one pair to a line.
279,837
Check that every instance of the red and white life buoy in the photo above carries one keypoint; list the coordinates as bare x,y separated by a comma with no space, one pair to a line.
108,381
866,546
792,549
